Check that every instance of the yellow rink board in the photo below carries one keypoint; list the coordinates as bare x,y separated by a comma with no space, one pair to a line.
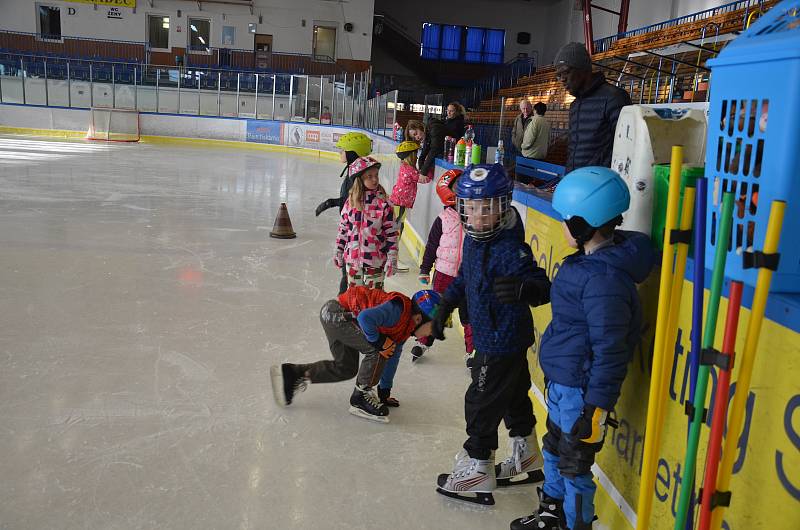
766,480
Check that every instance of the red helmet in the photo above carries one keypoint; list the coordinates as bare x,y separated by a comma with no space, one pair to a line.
445,185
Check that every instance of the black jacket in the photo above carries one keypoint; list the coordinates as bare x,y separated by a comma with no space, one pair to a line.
592,122
433,146
454,127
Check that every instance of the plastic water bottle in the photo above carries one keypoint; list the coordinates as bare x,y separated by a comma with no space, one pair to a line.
451,151
476,154
499,154
469,137
461,151
398,134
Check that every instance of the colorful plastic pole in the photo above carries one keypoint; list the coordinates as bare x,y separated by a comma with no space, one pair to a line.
698,291
654,403
747,360
681,253
720,403
717,275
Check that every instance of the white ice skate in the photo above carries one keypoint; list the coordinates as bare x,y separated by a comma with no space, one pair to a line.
364,403
472,480
524,466
286,382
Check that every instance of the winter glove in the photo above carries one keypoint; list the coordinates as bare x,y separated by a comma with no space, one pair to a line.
391,265
325,205
384,346
424,279
443,312
590,427
338,260
511,289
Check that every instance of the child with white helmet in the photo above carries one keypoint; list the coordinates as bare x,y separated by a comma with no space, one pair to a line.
585,351
499,280
366,245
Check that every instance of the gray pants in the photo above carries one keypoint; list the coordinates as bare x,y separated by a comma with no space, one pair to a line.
346,341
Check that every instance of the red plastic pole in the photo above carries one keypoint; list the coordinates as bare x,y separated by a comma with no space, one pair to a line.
720,413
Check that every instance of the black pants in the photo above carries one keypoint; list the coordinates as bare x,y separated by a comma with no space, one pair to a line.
498,391
347,343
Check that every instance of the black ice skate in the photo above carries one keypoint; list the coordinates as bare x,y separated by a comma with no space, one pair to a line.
524,465
549,515
417,352
286,382
472,480
365,404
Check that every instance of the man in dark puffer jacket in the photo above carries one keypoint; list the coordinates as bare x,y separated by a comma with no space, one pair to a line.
594,113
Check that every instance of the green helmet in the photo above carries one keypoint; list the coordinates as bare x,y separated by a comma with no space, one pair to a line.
357,142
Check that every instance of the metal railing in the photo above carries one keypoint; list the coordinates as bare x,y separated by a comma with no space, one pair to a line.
605,43
73,83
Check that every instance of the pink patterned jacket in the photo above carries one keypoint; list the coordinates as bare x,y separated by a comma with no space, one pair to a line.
367,237
404,192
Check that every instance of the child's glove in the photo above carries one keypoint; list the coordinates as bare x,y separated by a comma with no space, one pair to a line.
511,289
590,427
338,260
424,279
384,346
325,205
391,265
440,320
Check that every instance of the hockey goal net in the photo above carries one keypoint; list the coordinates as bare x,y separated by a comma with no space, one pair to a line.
114,125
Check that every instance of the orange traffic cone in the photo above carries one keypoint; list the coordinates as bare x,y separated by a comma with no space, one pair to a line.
283,225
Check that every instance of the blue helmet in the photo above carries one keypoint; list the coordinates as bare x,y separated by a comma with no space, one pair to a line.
597,194
483,198
481,181
427,301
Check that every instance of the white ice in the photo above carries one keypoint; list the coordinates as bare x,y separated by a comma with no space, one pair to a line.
142,303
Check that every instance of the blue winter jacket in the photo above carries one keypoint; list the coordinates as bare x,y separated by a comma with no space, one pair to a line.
498,328
597,318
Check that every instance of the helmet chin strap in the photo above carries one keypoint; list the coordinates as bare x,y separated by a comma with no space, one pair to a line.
583,232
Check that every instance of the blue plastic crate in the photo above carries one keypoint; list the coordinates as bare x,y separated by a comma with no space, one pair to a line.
754,141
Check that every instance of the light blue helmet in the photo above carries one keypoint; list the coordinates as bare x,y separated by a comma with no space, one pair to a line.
591,197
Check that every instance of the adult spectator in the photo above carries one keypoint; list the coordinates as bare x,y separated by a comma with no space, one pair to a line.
431,138
594,113
520,122
454,124
537,134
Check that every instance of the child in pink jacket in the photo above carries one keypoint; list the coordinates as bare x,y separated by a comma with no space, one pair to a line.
367,241
445,241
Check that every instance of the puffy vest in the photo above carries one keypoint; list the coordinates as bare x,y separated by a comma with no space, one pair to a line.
448,254
358,298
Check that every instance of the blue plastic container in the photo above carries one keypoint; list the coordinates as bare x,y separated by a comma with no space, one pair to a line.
754,141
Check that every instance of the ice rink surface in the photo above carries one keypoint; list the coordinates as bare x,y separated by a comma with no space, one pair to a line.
142,303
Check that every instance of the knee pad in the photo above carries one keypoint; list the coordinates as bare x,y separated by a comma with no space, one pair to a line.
552,438
575,457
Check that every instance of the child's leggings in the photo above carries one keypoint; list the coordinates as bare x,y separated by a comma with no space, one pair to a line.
568,460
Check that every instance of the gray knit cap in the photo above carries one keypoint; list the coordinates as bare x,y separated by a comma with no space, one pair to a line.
574,55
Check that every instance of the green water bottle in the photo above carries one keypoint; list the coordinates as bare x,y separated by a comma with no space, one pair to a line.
476,154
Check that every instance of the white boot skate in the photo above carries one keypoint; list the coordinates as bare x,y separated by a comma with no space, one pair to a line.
524,466
472,480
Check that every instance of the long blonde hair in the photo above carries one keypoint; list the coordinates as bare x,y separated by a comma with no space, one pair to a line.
358,191
410,159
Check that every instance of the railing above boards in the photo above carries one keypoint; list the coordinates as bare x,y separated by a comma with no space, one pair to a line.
605,43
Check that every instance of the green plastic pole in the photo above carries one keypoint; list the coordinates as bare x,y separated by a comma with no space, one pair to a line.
717,276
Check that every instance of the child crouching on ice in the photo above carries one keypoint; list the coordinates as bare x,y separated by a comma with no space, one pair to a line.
585,351
361,320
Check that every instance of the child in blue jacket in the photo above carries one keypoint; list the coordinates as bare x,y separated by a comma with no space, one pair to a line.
500,280
597,321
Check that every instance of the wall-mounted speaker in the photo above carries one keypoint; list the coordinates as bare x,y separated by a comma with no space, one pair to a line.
348,27
523,37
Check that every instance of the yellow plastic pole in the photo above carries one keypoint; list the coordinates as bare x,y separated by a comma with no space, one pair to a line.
654,402
747,359
671,335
